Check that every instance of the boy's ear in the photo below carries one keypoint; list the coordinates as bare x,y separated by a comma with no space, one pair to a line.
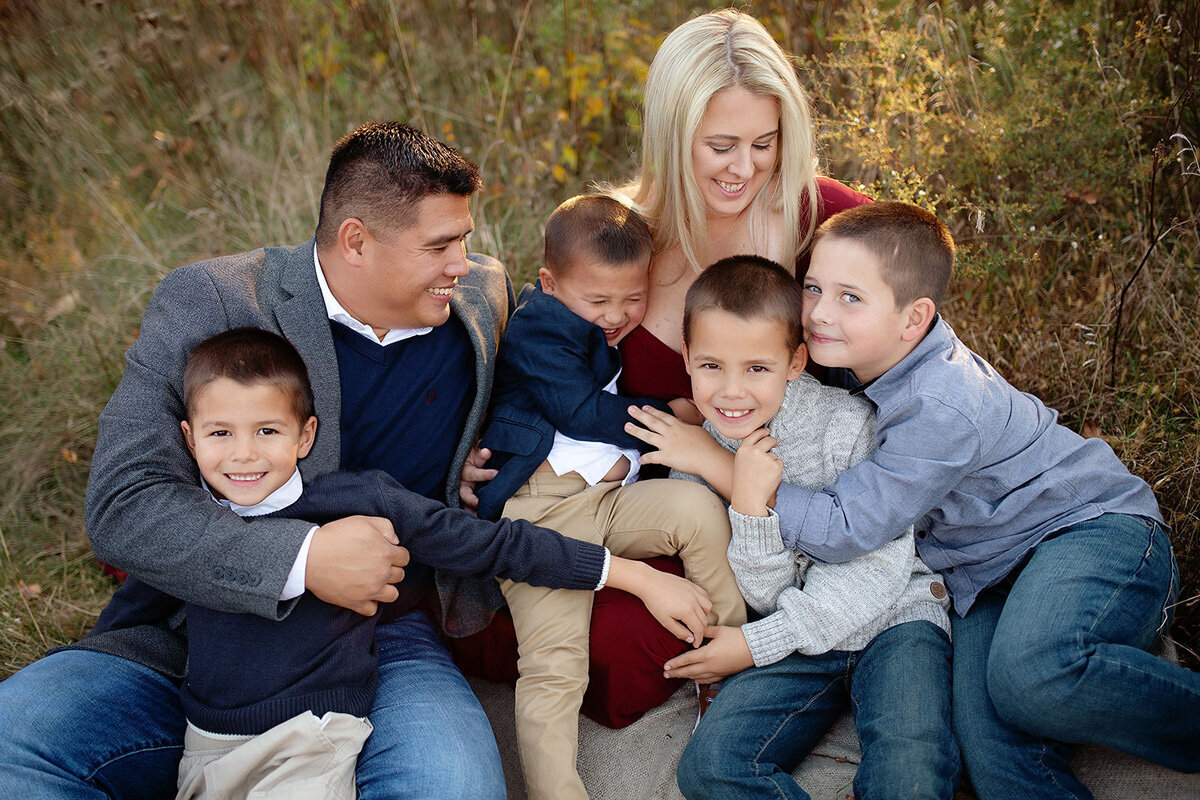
547,279
308,435
920,313
799,360
351,236
188,439
687,364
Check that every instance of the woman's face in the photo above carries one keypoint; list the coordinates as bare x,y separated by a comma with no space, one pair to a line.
735,149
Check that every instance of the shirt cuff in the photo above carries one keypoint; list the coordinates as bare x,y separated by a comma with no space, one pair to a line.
294,586
604,569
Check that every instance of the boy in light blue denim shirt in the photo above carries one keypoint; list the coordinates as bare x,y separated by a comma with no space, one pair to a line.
1057,558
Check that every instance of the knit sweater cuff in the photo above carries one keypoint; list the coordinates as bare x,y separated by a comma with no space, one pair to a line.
756,534
589,567
770,639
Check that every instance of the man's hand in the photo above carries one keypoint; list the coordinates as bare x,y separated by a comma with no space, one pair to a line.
353,563
725,654
756,474
473,473
679,605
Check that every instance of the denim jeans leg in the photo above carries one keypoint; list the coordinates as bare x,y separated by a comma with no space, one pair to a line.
1001,763
431,738
900,691
762,724
1069,658
79,724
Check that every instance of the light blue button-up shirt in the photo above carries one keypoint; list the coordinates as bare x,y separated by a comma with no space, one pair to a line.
984,473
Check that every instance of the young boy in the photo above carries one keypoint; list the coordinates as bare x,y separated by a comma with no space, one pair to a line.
282,702
871,633
556,431
1056,557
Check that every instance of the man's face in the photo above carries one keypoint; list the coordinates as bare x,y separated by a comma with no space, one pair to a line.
850,314
246,439
408,276
608,295
740,369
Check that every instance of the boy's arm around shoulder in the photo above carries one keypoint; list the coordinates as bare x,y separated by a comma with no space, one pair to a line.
925,448
146,512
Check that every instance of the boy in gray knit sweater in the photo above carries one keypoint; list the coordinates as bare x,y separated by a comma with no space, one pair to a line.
870,634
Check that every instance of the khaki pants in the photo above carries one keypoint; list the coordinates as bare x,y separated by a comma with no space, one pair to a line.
303,758
641,520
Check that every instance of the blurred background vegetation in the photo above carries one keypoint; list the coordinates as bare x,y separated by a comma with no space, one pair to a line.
1058,137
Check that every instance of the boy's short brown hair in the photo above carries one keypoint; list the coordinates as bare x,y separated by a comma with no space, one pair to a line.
595,226
914,247
751,287
249,356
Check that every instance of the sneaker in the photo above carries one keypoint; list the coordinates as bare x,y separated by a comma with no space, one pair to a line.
706,693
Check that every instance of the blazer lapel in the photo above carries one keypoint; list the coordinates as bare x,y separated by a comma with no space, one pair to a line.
303,320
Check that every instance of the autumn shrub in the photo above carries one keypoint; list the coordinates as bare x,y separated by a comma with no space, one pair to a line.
1055,137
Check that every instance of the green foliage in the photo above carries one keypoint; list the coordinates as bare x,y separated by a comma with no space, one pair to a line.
1055,136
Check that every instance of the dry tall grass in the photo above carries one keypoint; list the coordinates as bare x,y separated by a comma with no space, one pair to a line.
1057,137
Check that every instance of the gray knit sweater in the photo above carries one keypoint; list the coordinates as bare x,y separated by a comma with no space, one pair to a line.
809,606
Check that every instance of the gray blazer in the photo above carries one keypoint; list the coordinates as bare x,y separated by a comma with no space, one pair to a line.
146,512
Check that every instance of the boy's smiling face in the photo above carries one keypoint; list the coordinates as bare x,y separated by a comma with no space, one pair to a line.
612,296
246,439
850,314
740,369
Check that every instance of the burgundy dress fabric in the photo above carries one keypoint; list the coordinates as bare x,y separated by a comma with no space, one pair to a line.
628,646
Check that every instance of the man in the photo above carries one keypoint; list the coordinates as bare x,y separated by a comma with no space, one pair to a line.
386,267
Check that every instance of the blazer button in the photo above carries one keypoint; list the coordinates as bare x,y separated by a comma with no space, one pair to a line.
937,589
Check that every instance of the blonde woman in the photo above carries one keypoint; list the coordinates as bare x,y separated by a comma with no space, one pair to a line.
728,167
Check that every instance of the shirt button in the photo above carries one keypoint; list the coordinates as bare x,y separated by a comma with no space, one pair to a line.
937,590
921,534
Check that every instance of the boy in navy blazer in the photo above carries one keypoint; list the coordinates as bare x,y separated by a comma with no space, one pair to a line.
556,431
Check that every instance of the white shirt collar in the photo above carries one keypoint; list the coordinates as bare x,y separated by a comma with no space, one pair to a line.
337,312
281,498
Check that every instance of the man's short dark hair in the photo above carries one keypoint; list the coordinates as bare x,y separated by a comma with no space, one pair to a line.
595,226
914,247
249,356
750,287
379,174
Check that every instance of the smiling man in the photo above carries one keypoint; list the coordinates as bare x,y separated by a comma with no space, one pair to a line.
398,328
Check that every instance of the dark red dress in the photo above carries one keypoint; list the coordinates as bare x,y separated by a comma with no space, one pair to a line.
628,646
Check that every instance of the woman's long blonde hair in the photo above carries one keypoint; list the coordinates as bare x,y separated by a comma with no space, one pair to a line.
698,59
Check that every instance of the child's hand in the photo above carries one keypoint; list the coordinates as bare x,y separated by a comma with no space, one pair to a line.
473,473
725,654
687,448
685,410
679,605
756,474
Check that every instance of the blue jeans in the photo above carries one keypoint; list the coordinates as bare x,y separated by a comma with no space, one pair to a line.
767,719
79,724
1060,655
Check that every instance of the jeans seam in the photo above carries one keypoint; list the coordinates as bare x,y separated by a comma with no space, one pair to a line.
784,721
91,776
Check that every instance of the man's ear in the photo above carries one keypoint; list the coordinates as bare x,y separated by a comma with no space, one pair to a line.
547,279
308,435
799,359
351,236
188,439
920,313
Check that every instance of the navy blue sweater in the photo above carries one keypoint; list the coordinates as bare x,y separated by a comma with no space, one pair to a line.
247,674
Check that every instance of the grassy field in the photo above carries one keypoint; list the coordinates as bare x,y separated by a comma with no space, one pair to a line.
1057,138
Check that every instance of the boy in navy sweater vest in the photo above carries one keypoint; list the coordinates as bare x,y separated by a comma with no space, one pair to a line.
557,434
282,703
